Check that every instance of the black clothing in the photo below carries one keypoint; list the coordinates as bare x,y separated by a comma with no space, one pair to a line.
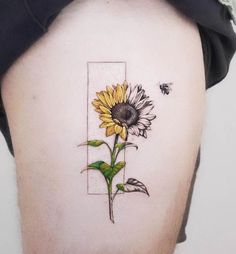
22,22
217,35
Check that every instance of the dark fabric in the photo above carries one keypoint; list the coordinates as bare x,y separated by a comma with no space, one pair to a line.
5,127
218,37
22,22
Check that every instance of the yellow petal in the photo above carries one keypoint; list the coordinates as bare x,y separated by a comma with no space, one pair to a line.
124,87
105,110
115,96
98,110
105,125
119,92
118,129
106,115
102,99
125,84
109,89
106,120
110,130
107,98
123,133
96,103
113,103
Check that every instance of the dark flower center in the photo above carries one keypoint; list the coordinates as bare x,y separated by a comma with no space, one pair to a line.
125,113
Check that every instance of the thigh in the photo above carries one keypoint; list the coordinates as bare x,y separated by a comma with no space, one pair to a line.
48,97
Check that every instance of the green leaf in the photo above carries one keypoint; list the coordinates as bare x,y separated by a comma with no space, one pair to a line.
94,143
117,168
96,165
124,145
106,169
102,166
120,186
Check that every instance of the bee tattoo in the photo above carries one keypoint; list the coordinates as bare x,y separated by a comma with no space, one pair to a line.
165,88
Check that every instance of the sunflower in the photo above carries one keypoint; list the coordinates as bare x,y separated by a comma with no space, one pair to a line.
124,109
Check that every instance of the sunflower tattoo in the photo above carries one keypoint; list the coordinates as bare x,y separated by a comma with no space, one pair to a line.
124,110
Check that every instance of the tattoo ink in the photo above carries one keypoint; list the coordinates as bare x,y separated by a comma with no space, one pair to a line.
123,110
165,88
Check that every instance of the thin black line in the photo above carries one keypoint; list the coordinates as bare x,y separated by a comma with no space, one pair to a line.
125,149
87,123
100,194
106,62
125,70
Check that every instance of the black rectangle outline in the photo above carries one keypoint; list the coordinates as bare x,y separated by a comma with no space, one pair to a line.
97,62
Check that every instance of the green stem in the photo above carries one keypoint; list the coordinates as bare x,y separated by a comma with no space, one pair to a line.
105,143
109,187
117,155
113,154
115,195
109,182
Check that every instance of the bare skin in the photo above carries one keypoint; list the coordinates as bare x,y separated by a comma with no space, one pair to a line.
44,94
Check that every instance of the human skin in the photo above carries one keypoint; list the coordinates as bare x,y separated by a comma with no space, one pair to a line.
45,97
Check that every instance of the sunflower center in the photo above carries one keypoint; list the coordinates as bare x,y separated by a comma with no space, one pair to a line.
125,113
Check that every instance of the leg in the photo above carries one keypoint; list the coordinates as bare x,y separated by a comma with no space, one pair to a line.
45,96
